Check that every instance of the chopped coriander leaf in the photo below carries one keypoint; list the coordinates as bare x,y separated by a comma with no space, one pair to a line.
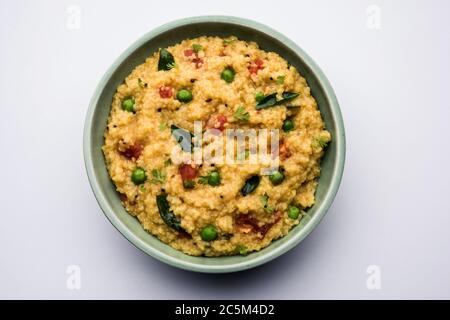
264,199
280,79
203,179
265,203
158,176
241,114
197,47
162,126
259,96
188,184
168,162
228,41
320,142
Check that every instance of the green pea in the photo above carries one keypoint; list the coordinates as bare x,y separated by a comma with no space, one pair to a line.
138,176
276,178
184,95
288,125
242,250
227,75
128,105
209,233
293,212
259,96
214,178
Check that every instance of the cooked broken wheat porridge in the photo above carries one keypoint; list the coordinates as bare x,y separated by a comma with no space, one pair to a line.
214,208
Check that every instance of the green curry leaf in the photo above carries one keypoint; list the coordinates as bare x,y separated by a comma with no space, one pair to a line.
250,185
167,214
166,60
271,99
183,137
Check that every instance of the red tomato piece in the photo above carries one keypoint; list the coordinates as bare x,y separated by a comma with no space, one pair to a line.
255,66
165,92
221,120
188,52
217,122
133,152
188,172
259,62
198,62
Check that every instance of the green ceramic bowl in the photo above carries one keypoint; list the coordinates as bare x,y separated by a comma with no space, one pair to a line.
169,34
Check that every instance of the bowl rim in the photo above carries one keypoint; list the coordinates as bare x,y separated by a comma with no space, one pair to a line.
324,205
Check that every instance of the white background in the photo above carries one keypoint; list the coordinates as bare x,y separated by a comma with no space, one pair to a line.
392,209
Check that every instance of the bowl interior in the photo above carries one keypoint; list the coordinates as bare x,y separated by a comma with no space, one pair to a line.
170,34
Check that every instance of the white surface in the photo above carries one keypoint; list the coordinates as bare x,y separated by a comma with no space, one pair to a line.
392,209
